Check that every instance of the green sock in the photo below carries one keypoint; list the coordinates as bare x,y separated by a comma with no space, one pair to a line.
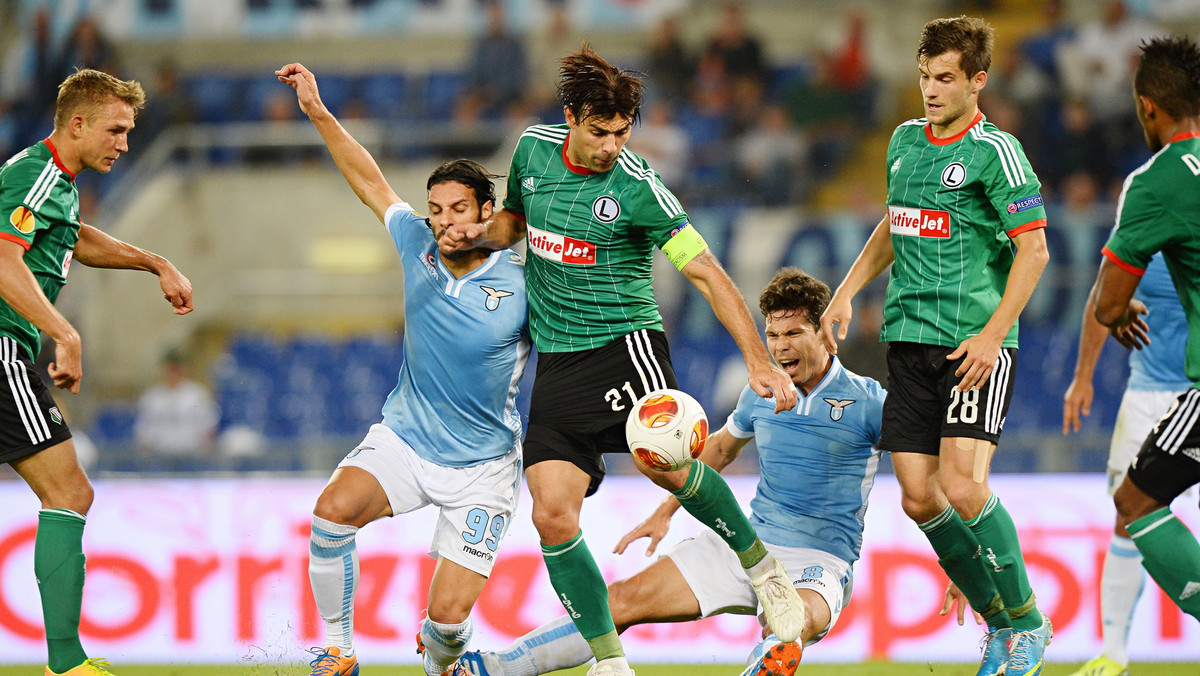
581,589
706,496
958,554
1171,555
997,536
58,565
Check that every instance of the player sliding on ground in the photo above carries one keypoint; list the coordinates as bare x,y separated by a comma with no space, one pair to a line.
817,466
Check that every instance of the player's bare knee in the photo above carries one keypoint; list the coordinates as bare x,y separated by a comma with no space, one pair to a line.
920,508
555,524
338,507
75,494
448,611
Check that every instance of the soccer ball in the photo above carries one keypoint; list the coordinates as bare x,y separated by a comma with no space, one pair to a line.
666,430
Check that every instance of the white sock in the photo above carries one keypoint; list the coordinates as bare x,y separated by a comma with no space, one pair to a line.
444,643
333,573
1121,584
552,646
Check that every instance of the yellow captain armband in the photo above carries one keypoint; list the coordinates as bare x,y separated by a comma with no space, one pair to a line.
684,245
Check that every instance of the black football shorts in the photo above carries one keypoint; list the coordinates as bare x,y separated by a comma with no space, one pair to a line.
29,419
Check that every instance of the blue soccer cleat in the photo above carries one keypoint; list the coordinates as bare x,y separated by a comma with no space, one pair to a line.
471,663
995,652
1025,650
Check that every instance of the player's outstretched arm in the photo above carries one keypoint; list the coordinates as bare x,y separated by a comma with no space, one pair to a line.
98,249
980,352
504,229
766,379
876,256
1077,401
721,449
20,289
353,160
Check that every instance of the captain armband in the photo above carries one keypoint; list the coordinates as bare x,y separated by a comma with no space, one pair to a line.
684,245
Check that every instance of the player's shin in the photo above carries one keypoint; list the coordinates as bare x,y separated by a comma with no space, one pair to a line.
1171,555
333,572
58,564
580,587
1121,585
959,555
706,496
997,536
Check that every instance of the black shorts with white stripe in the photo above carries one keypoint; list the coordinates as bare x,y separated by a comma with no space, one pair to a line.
924,405
29,419
1169,460
580,400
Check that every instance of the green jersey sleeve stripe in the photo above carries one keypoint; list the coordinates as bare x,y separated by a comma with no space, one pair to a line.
546,134
1004,150
42,186
665,199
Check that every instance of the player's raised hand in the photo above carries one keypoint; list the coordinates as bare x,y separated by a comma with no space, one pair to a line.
839,311
67,368
770,381
1077,404
654,528
176,288
979,354
1132,332
305,83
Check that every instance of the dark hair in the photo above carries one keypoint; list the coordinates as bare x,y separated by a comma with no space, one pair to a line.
589,86
1169,74
794,291
469,173
970,36
87,90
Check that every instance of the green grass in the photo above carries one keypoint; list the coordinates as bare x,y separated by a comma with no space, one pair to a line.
864,669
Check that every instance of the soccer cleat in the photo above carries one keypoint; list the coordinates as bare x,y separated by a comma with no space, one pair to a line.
781,659
90,667
329,662
995,652
784,611
1025,650
473,665
609,668
1101,666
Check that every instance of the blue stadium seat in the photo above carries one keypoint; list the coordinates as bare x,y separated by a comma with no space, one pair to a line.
216,97
437,93
385,95
113,425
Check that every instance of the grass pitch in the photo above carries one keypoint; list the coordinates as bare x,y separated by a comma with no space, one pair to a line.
864,669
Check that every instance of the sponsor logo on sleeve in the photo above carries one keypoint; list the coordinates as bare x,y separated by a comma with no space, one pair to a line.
560,248
22,219
1024,203
914,222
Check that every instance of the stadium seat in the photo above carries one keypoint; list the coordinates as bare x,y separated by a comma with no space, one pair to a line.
216,97
385,95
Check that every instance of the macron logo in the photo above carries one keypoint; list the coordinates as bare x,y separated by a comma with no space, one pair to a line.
561,249
918,222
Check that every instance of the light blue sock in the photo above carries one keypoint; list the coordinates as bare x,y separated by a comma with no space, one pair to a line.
552,646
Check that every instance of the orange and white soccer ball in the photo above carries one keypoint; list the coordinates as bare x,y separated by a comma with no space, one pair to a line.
666,430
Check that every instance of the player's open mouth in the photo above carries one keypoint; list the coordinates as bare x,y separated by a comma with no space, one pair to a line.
789,366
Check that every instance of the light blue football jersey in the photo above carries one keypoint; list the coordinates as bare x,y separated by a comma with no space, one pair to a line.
1159,365
466,342
816,462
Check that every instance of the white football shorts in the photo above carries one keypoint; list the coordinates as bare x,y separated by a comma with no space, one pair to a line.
476,503
717,578
1140,411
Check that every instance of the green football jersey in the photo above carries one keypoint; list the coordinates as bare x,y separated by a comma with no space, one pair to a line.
1159,210
953,206
591,237
40,208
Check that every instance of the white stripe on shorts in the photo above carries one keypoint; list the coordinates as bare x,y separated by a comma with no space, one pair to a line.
641,354
22,392
1181,423
997,390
